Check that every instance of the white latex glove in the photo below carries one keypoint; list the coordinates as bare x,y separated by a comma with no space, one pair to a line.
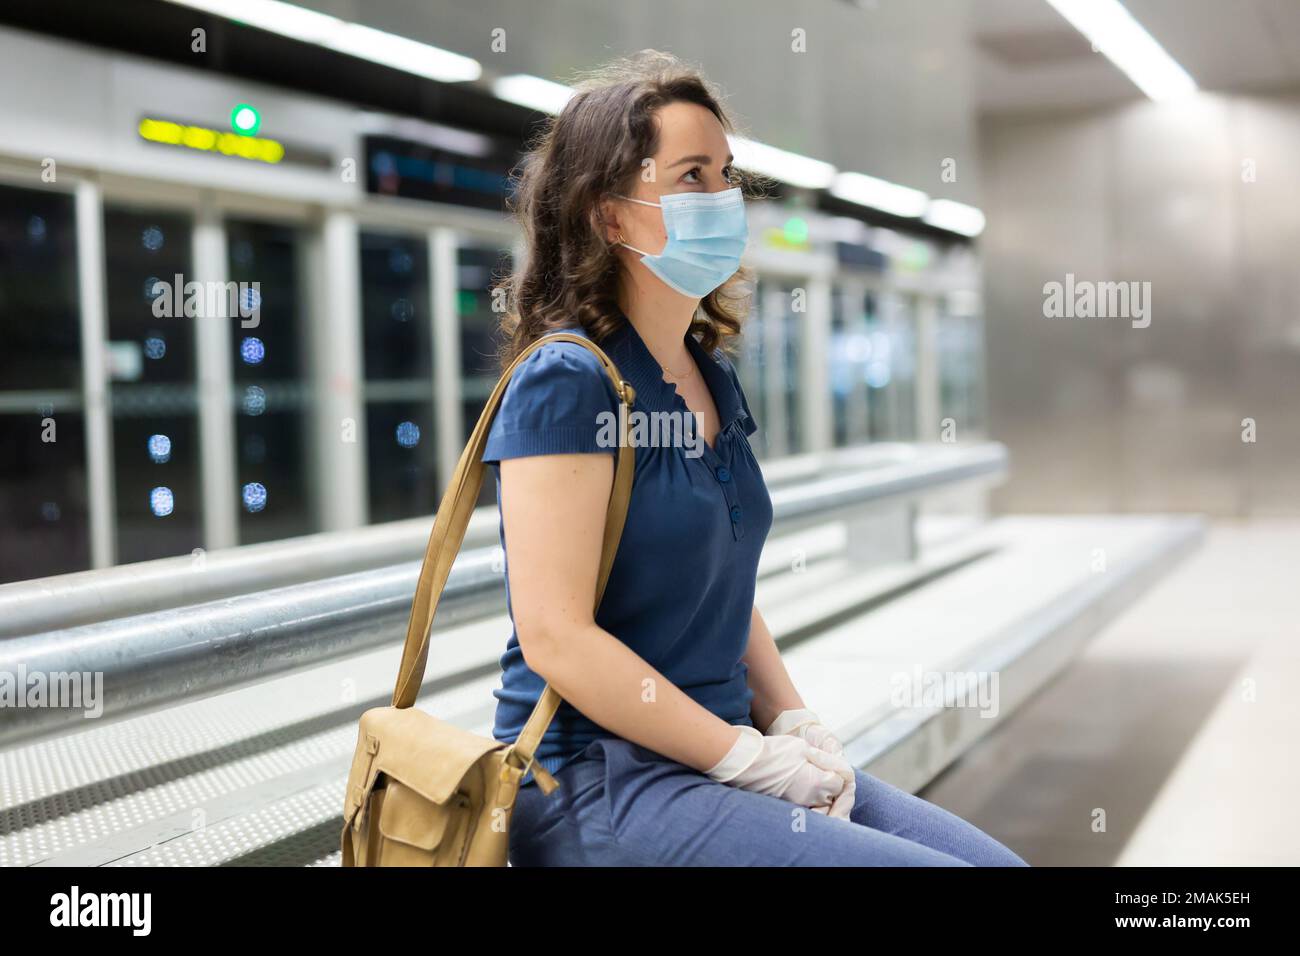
789,768
804,723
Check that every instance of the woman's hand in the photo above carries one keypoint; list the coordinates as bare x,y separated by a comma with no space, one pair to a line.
789,768
805,724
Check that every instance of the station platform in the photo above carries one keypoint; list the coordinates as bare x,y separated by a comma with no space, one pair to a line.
872,583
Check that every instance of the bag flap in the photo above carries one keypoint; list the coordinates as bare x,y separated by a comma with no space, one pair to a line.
406,818
429,755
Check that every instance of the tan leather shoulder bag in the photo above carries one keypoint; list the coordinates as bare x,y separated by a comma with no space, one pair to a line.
421,791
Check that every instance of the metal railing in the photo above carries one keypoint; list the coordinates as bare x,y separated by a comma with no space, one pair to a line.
69,600
185,651
86,597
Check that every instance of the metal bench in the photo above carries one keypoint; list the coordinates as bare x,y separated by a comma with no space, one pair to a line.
230,723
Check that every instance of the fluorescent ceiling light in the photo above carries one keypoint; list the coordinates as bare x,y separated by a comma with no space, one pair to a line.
533,92
879,194
403,53
1125,42
777,163
954,217
354,39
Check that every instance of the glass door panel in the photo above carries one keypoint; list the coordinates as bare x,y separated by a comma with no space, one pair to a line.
152,379
890,365
479,266
397,332
44,514
847,373
271,393
770,372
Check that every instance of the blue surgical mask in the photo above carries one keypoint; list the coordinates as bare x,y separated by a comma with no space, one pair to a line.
706,236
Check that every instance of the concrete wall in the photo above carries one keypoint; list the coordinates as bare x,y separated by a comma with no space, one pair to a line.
1098,414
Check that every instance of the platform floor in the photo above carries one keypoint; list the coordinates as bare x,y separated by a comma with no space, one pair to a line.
1181,721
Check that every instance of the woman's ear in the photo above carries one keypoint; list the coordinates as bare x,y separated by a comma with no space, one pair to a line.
605,221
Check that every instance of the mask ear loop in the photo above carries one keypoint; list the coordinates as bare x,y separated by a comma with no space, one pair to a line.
619,238
641,201
633,248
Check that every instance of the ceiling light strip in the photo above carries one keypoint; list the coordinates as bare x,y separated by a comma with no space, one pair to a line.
1112,31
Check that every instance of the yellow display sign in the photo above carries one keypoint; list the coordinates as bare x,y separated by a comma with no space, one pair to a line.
783,237
211,140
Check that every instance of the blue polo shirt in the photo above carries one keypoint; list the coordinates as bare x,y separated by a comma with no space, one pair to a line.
681,589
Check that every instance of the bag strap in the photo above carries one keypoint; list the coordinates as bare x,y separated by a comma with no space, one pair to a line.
453,518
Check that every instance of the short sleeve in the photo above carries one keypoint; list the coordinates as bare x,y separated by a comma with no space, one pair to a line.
748,423
558,401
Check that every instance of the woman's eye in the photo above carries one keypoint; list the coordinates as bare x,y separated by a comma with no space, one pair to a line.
692,175
729,176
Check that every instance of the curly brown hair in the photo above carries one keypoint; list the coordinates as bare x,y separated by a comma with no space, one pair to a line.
569,274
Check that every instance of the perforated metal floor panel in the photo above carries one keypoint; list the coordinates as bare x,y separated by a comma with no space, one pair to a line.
254,775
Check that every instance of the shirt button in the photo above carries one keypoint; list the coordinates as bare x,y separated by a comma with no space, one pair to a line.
735,513
723,474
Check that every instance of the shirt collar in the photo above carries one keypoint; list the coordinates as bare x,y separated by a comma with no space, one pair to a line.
637,365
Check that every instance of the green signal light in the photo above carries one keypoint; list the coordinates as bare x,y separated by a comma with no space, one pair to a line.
916,258
245,120
796,231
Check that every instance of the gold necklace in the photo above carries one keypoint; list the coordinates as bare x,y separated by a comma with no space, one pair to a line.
680,378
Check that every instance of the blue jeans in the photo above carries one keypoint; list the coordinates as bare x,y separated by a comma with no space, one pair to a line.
619,804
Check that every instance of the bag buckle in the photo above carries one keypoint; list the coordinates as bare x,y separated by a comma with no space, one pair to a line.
506,762
544,780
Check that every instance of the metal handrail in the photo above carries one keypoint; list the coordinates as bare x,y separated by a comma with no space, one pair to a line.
86,597
181,653
903,481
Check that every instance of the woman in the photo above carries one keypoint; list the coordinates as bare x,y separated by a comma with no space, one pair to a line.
682,739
